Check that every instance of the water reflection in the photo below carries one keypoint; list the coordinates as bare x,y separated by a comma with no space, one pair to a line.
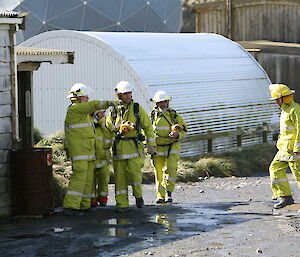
167,222
117,230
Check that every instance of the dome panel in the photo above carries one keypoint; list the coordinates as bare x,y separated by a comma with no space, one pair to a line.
101,15
111,8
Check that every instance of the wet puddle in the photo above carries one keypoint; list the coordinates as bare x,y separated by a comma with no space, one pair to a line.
116,235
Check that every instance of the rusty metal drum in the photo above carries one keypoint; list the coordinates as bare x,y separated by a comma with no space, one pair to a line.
32,181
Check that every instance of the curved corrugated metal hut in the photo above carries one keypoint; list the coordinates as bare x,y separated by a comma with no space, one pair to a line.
216,85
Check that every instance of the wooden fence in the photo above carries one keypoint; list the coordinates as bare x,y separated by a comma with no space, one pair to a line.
262,130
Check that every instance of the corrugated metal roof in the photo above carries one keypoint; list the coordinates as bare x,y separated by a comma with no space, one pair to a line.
216,85
21,50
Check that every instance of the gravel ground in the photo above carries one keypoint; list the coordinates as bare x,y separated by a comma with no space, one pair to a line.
213,217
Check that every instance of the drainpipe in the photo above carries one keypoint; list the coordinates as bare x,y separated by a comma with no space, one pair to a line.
14,83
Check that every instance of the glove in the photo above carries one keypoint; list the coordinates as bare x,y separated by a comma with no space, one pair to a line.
174,134
113,103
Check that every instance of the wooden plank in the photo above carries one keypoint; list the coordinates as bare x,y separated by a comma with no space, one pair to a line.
4,38
6,141
5,126
4,69
5,83
5,98
5,110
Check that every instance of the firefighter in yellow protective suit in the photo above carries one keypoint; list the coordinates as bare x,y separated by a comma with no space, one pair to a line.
169,129
128,121
288,145
103,158
80,146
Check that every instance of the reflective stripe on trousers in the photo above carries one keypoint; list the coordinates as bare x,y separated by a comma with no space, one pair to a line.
167,177
289,158
121,192
78,194
287,128
83,157
107,141
279,180
129,156
101,164
166,153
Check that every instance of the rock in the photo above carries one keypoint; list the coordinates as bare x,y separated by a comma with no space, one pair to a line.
201,191
258,251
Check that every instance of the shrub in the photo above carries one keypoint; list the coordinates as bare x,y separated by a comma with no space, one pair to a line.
37,136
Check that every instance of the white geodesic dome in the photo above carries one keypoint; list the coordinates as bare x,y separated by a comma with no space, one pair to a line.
99,15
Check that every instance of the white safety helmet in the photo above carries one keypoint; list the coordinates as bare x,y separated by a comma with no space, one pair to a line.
160,96
123,87
79,89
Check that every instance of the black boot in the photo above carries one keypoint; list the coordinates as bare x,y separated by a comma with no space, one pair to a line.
139,202
169,197
284,201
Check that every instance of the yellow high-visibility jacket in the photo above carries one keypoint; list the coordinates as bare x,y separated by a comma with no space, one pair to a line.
103,142
289,138
80,131
162,127
124,148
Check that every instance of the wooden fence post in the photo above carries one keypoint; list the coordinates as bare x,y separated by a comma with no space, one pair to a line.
239,138
209,142
265,132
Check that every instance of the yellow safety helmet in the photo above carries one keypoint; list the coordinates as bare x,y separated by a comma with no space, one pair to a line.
279,90
160,96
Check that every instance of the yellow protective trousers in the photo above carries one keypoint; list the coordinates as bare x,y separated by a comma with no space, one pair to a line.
102,176
279,181
165,173
78,195
128,172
